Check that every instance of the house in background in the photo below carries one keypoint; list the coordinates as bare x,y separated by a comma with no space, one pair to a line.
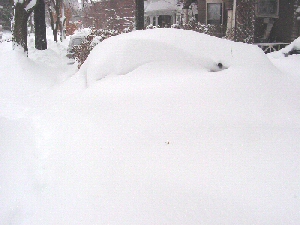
120,14
164,13
241,20
161,13
253,20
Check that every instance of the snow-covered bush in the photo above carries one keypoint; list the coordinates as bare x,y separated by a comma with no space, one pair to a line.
150,26
176,26
82,51
213,30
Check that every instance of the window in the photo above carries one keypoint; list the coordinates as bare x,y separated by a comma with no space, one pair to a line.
214,13
267,8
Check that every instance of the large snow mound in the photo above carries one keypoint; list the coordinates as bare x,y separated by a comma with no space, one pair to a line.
124,53
240,91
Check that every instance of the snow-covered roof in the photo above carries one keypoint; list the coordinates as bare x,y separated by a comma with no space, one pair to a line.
82,32
161,5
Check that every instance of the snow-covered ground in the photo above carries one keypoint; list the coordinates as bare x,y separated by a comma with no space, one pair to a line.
150,131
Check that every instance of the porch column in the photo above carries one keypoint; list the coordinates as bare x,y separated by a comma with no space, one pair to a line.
156,20
186,16
172,19
233,13
151,20
229,22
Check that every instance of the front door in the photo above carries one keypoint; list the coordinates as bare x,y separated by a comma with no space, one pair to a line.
164,21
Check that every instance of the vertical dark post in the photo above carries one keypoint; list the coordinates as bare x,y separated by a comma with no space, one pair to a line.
20,26
40,25
139,14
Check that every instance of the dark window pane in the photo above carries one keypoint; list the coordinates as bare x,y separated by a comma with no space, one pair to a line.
267,8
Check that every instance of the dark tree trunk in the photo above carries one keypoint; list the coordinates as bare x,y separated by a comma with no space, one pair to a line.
56,24
62,22
20,26
56,28
54,31
54,21
139,14
55,35
40,25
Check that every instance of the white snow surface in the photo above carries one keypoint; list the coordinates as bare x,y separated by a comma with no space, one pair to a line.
146,133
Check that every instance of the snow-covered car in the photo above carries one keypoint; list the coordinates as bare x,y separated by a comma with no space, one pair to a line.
292,49
75,40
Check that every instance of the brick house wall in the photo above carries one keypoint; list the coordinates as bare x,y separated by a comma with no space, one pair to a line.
112,14
244,30
202,11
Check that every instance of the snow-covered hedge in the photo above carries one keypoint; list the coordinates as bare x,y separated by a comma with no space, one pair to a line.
213,30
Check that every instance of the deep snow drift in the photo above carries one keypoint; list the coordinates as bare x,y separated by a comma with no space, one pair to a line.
146,133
